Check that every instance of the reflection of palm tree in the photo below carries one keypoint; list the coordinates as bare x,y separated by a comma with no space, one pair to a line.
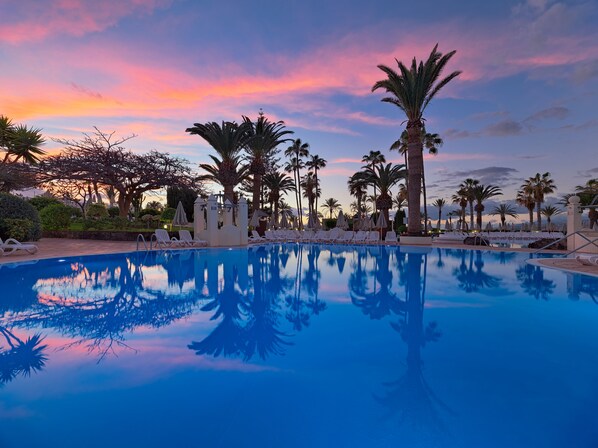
20,357
381,301
410,396
532,281
472,277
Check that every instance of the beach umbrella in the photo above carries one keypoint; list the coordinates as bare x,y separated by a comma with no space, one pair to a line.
180,217
447,225
366,223
284,222
255,218
489,226
381,221
341,221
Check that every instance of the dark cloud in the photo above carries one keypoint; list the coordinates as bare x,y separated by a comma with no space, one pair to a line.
457,133
592,172
495,175
86,91
590,124
558,112
503,128
530,157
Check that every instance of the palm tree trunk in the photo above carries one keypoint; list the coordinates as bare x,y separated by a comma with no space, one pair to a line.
257,187
539,215
316,177
415,160
300,211
425,199
229,193
471,222
531,216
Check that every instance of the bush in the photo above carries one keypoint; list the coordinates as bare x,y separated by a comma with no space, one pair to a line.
97,211
113,212
150,211
56,217
18,228
41,202
168,214
16,208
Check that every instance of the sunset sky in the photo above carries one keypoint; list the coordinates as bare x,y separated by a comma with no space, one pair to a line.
525,102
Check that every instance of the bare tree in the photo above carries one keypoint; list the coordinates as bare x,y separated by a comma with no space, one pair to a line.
100,159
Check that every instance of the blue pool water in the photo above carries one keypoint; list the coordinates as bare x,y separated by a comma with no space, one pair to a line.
296,346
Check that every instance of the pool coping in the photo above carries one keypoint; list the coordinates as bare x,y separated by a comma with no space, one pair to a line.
50,248
570,265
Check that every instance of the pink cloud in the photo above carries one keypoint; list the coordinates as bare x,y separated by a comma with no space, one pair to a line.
34,21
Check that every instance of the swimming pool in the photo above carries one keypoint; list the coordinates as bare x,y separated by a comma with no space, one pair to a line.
297,345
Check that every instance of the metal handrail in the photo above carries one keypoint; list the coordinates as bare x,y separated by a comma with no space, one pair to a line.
579,232
141,238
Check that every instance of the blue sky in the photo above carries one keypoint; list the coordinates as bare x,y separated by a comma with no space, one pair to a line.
525,102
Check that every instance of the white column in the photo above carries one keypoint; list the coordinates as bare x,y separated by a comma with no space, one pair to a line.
573,220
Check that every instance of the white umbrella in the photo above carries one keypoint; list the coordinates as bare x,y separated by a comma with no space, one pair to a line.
341,222
255,218
381,221
313,222
366,223
284,222
180,217
489,226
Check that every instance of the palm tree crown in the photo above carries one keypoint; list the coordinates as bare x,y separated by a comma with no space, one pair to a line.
227,140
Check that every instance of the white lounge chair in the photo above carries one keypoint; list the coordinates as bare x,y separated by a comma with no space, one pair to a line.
587,260
163,240
11,246
391,237
256,237
372,237
187,240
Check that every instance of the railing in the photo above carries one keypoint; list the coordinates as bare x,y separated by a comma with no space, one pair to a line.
141,238
579,232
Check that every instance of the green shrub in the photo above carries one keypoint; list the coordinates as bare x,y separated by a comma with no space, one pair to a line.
150,211
113,212
41,202
14,207
56,217
97,211
18,229
168,214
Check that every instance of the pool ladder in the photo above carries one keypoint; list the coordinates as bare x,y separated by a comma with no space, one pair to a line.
141,239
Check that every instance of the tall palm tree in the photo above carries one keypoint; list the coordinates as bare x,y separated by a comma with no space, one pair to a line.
227,140
316,163
296,152
411,90
439,203
587,193
311,190
372,159
384,177
266,136
549,211
482,193
540,185
277,184
331,205
468,186
358,188
504,210
20,143
525,197
461,199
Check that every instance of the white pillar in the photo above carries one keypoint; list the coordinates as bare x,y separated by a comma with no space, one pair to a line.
199,222
573,220
228,214
212,221
243,220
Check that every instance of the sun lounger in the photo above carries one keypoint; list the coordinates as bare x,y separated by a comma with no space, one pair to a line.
11,246
163,240
372,237
187,240
587,260
391,237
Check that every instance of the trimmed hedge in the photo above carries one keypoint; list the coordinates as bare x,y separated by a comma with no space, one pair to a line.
41,202
16,208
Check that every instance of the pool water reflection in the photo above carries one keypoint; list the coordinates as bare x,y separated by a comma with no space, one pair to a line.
289,345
